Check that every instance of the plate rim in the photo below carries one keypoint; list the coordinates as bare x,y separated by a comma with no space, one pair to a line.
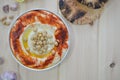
69,40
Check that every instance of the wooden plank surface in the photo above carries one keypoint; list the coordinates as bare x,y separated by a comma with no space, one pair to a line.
5,52
109,42
93,49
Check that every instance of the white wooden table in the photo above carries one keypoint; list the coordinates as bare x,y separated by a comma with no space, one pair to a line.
94,48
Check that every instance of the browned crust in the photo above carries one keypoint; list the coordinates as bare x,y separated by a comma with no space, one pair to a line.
89,15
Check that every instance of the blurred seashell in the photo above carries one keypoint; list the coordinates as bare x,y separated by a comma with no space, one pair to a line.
6,8
9,76
3,18
14,7
8,22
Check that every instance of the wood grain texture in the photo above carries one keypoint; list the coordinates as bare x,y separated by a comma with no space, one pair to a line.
5,52
82,64
109,42
93,48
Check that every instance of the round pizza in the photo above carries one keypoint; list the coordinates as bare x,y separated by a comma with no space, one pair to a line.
39,39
